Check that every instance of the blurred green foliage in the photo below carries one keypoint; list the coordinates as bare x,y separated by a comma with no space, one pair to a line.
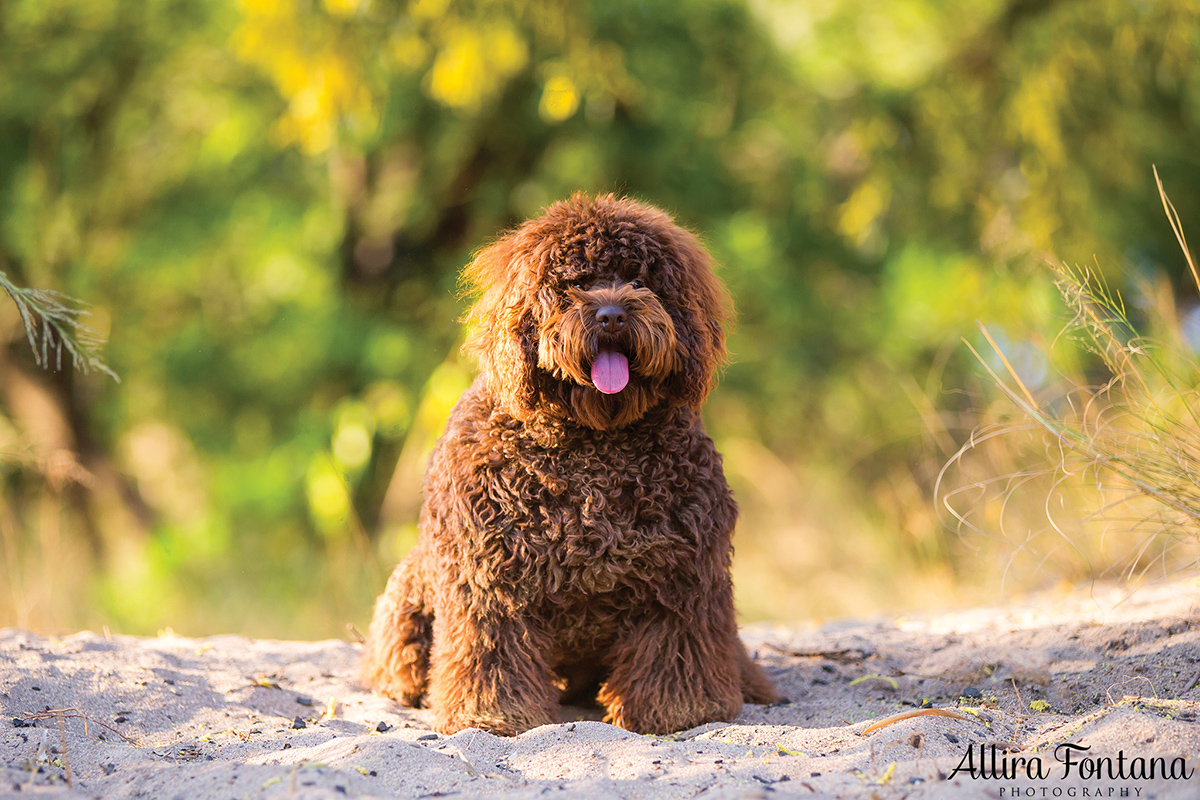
266,203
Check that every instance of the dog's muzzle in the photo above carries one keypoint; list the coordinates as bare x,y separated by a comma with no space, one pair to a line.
610,367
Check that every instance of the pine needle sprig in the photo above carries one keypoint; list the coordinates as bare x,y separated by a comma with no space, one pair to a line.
53,323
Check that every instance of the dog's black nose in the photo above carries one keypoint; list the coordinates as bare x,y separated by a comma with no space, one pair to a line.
611,318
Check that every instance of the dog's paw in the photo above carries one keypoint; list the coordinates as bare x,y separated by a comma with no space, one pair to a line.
499,724
668,716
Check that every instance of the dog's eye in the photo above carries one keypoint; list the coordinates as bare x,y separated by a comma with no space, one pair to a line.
636,284
577,285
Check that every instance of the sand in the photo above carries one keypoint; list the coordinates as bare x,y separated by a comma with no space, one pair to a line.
85,715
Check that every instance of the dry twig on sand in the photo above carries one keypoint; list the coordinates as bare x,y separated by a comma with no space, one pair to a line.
72,713
919,712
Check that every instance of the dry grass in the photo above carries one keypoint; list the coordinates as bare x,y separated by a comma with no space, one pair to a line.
1097,478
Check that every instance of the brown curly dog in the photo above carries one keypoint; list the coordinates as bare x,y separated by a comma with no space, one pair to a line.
576,523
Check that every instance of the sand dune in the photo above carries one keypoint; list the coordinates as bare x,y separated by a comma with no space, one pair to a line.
227,717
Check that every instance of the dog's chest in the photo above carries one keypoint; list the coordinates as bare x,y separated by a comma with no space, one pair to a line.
606,514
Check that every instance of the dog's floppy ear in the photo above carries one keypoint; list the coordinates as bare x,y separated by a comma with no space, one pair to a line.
704,306
501,328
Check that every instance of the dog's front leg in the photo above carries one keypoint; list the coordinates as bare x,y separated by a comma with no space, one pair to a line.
672,671
488,670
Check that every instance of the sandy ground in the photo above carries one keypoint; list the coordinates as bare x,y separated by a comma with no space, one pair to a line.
226,717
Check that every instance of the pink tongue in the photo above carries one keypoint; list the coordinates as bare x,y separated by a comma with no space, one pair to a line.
610,371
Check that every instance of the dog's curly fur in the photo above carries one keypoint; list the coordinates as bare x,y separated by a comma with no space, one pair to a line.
571,538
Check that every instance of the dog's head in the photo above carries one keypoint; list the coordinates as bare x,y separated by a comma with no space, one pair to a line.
599,311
